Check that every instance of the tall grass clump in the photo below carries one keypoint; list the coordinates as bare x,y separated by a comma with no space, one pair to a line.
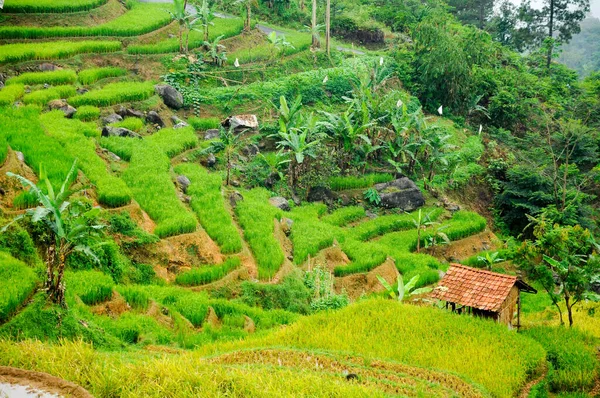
344,215
111,190
309,234
92,287
391,222
209,274
364,256
341,183
141,18
571,354
204,123
209,205
87,113
90,76
481,351
21,52
50,6
121,146
42,97
256,216
130,123
17,283
148,178
174,141
115,93
135,296
9,94
64,76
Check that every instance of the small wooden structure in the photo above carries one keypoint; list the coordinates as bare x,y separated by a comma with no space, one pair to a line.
482,293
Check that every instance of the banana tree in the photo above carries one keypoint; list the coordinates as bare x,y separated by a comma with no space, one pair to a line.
247,6
232,143
216,51
403,291
183,19
205,16
71,227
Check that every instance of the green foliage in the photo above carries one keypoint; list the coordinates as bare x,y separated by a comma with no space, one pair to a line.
92,287
372,196
17,283
115,93
130,123
42,97
91,76
341,183
107,258
203,124
256,216
364,256
344,215
63,76
320,282
9,94
141,18
87,113
209,205
18,243
135,296
121,146
174,141
208,274
54,50
390,223
571,354
290,295
50,6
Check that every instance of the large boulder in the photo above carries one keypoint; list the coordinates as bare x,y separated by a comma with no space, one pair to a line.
47,67
183,182
234,198
240,123
134,113
320,194
211,134
112,118
400,194
109,131
280,202
153,118
170,96
62,105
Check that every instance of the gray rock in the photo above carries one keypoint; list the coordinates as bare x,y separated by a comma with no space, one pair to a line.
82,91
183,182
250,150
20,156
320,194
109,131
272,179
47,67
175,119
154,118
235,198
134,113
69,111
280,202
62,105
112,118
121,111
241,122
286,225
170,96
236,183
46,86
211,134
1,85
371,215
400,194
211,160
180,125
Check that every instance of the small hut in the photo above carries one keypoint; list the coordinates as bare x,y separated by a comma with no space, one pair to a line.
482,293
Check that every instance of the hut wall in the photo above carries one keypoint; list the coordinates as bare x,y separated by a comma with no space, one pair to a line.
509,306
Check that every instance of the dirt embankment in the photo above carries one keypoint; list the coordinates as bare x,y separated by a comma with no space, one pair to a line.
42,382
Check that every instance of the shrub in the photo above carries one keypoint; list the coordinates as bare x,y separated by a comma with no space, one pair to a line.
209,205
18,243
290,295
65,76
202,124
344,215
131,123
174,141
139,19
356,182
87,113
208,274
17,283
54,50
42,97
9,94
51,6
90,76
256,216
115,93
92,287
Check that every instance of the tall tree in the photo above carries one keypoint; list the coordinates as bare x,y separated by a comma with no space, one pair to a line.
474,12
314,30
247,6
328,27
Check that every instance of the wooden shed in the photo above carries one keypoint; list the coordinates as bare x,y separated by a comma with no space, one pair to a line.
482,293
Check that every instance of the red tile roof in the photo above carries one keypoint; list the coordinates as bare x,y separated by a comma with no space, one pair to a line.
474,287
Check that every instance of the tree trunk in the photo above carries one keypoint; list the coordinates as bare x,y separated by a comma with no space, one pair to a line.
228,167
315,35
569,310
248,16
55,287
550,34
206,33
180,38
328,28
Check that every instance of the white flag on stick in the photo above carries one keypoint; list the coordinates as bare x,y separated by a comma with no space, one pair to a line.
440,110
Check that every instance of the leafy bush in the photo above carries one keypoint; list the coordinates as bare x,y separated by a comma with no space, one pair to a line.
139,19
115,93
356,182
51,6
17,283
92,287
42,97
9,94
54,50
63,76
344,215
202,124
209,205
208,274
90,76
256,216
174,141
87,113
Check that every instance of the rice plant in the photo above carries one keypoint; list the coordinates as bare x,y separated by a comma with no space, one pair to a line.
344,215
9,94
17,283
148,178
115,93
135,296
87,113
356,182
209,205
20,52
141,18
3,149
111,190
92,287
390,223
91,76
64,76
208,274
309,234
130,123
174,141
42,97
257,216
364,256
50,6
202,124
